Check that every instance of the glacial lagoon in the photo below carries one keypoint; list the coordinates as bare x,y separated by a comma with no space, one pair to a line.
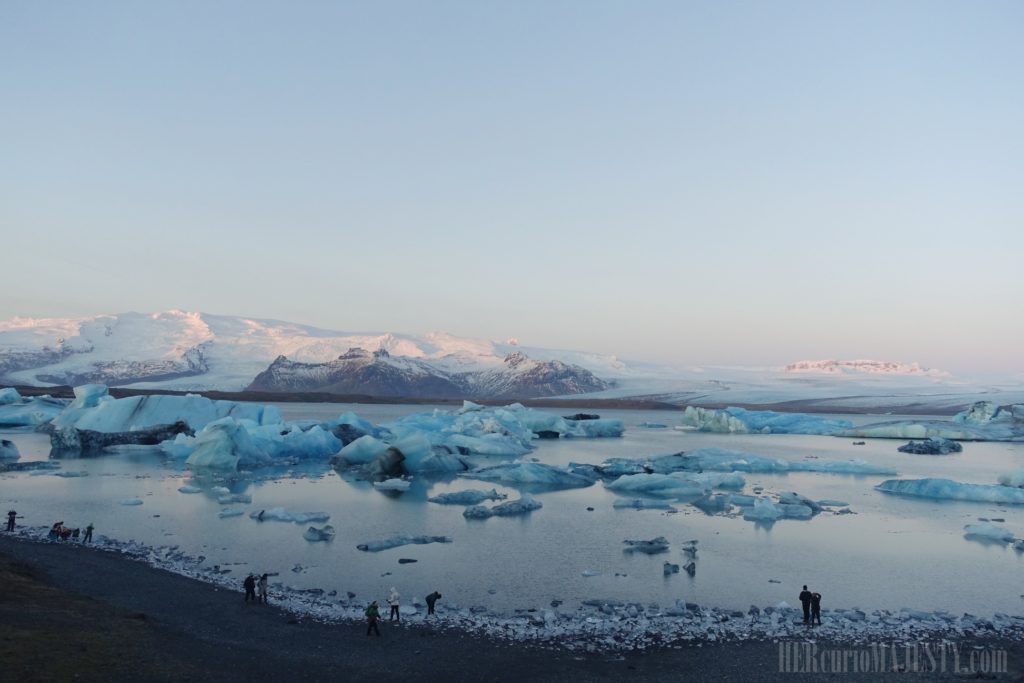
891,552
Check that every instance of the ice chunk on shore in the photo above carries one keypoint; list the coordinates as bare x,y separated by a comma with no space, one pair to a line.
947,489
8,450
524,505
282,515
400,540
314,535
742,421
467,497
988,531
531,474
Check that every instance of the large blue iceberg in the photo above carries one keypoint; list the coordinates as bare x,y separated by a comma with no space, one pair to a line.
946,489
17,411
983,421
742,421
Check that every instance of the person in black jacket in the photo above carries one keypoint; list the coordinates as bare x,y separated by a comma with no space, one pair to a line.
431,599
816,608
250,587
805,600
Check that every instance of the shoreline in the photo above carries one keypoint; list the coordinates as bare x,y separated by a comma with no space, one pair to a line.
201,631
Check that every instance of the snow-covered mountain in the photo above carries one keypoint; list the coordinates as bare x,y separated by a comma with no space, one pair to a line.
198,351
380,374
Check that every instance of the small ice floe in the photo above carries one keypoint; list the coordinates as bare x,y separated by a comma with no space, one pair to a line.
691,567
131,501
65,473
988,531
220,490
591,572
392,485
234,498
283,515
467,497
229,512
325,533
669,568
510,508
401,539
642,504
655,545
189,488
932,446
690,548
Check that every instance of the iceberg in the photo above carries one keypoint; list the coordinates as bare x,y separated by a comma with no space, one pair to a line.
651,547
229,443
642,504
467,497
400,540
524,505
677,485
363,450
531,474
314,535
188,488
931,447
713,504
229,512
229,498
1014,479
946,489
988,531
131,501
16,412
95,420
8,450
742,421
392,485
721,460
283,515
9,395
983,421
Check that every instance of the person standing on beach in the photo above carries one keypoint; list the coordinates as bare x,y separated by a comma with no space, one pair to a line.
263,588
393,603
805,600
816,608
88,533
372,617
11,516
431,599
250,588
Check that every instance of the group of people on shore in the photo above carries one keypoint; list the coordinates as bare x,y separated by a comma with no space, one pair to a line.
252,584
372,612
811,603
58,531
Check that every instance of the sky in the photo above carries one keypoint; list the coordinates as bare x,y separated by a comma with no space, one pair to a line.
745,183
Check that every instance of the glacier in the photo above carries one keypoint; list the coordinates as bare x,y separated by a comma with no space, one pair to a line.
946,489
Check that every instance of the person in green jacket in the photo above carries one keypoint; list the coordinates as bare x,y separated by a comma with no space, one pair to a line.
372,617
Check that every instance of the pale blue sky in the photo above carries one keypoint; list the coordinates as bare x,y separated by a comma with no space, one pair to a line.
716,182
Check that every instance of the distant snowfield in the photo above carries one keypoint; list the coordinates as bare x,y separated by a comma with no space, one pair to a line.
200,351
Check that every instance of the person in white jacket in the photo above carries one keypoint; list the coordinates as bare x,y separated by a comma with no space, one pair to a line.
393,601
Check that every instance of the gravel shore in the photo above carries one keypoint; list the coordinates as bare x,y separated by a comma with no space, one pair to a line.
73,612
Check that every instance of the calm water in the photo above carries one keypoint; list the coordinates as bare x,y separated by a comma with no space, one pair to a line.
894,552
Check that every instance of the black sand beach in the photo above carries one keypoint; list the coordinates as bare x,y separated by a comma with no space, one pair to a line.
69,612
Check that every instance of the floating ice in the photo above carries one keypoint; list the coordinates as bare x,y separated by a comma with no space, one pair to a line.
283,515
9,395
392,485
229,444
1014,479
29,412
228,499
642,504
229,512
188,488
677,485
363,450
467,497
742,421
325,533
712,504
953,490
95,419
8,450
720,460
655,545
131,501
524,505
531,473
984,421
988,531
931,447
396,541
